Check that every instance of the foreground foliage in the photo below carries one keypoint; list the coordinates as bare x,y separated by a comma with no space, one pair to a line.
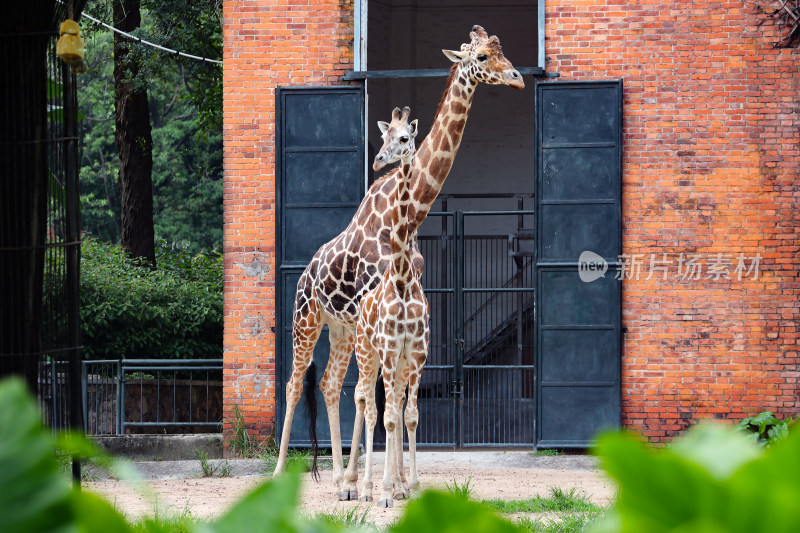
37,498
709,481
131,310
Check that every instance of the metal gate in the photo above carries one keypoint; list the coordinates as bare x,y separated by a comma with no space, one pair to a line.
477,387
320,177
523,352
579,211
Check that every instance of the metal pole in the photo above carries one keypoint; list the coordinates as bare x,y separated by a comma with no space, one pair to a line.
121,403
73,258
459,329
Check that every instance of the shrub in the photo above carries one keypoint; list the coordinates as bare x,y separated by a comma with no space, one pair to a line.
131,310
765,428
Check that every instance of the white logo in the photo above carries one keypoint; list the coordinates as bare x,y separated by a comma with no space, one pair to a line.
591,266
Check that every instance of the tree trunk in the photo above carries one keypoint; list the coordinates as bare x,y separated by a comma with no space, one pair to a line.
134,140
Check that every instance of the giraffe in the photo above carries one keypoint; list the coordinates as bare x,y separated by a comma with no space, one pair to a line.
391,333
346,267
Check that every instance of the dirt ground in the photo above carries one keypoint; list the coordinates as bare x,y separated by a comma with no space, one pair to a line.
177,487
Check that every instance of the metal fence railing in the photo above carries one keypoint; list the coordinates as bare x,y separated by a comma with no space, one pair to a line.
152,395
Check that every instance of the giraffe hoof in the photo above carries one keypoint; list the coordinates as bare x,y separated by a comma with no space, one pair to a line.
348,495
365,499
385,503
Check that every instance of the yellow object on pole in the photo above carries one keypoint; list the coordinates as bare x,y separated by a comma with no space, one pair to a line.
70,46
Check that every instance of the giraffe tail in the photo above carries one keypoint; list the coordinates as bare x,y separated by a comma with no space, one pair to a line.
310,389
380,403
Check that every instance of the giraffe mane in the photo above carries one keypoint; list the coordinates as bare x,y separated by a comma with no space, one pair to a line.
391,172
450,80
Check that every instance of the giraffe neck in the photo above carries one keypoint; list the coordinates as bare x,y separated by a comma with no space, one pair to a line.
401,265
436,154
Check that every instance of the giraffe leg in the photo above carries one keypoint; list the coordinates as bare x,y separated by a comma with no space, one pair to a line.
400,486
306,328
364,397
342,342
390,421
370,418
349,482
412,420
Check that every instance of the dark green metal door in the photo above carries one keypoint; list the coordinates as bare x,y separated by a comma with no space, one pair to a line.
320,182
578,221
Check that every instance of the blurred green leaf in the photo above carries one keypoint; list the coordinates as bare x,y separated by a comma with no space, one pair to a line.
709,481
437,512
35,497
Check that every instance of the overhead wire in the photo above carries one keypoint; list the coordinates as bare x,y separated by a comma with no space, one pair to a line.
148,43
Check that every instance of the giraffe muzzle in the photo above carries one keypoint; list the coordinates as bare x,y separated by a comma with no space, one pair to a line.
379,163
514,79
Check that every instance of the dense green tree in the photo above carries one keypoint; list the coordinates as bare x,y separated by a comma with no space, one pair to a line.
184,103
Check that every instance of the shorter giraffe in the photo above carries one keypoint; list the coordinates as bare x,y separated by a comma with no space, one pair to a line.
392,333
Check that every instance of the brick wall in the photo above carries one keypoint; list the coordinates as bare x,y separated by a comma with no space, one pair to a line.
711,164
266,44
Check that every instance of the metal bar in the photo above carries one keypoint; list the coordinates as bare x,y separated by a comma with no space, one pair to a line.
495,213
492,195
572,327
558,146
121,404
307,205
419,73
168,362
53,393
459,336
593,201
497,367
142,368
169,424
84,397
556,384
318,149
497,289
190,395
571,264
174,395
540,37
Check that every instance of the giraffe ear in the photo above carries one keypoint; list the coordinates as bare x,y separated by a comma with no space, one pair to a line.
455,56
413,125
384,126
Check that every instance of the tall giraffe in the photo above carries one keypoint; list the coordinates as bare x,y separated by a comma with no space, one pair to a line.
391,333
350,264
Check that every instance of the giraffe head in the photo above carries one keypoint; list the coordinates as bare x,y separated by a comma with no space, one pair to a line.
483,60
398,139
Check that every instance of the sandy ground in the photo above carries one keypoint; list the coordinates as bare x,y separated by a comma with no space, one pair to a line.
177,487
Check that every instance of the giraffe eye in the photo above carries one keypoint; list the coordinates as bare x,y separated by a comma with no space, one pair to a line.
404,139
482,57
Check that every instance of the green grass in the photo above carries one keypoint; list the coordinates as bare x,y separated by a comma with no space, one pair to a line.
222,469
546,453
564,523
463,490
558,502
353,517
183,523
